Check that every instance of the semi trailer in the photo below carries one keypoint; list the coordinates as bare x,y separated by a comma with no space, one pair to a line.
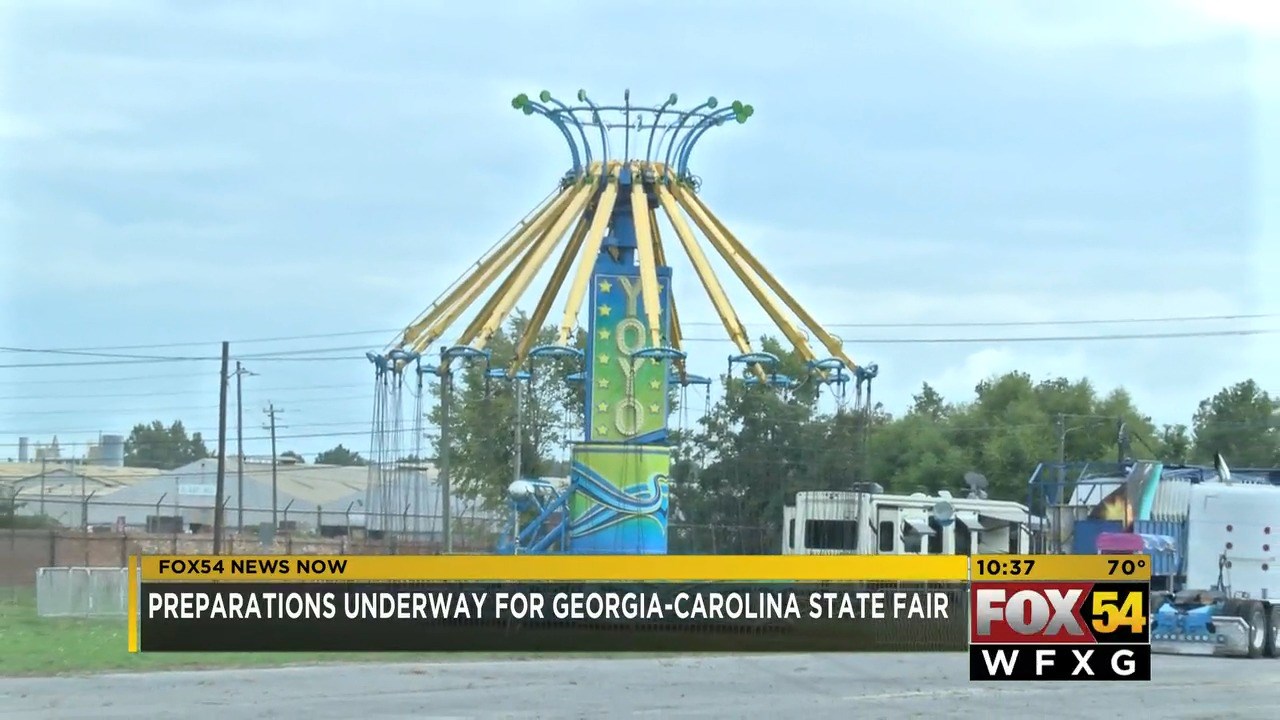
1212,538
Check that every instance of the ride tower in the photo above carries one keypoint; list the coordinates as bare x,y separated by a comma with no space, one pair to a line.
630,166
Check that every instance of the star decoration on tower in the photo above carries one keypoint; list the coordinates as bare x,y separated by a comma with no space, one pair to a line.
602,429
655,384
605,286
655,408
604,334
604,383
603,358
604,311
603,407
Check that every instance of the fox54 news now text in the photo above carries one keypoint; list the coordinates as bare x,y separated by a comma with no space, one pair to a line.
1059,631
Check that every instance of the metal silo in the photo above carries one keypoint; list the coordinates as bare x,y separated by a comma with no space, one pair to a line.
113,450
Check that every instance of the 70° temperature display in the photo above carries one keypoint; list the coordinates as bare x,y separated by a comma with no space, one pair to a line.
1125,567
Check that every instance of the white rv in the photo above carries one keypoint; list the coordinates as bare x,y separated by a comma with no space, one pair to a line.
871,522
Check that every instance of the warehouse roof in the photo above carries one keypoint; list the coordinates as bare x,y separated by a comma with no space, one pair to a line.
67,479
318,484
309,483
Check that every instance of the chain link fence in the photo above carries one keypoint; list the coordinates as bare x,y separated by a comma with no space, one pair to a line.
24,552
89,592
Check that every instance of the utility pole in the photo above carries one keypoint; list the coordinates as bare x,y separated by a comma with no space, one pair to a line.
240,372
222,449
1062,440
1062,458
239,451
519,448
272,411
446,523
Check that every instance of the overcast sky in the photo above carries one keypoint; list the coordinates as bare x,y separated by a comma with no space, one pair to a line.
177,172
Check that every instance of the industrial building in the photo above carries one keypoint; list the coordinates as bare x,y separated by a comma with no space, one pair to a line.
323,499
58,490
42,482
97,492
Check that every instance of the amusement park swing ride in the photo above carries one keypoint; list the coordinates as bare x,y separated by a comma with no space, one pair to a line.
615,261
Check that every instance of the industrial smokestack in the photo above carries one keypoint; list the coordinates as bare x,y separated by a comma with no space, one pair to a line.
23,444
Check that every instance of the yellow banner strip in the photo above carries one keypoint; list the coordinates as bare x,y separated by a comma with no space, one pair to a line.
554,568
133,604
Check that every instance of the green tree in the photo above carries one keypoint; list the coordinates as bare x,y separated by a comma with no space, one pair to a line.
1011,424
340,455
1241,423
481,422
1175,443
11,519
757,440
166,448
929,404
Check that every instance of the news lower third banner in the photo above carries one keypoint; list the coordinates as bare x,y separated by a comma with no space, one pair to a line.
844,603
549,603
505,617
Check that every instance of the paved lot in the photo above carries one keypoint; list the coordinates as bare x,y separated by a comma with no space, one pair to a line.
800,686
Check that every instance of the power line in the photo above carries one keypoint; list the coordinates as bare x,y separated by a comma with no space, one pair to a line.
308,355
102,362
97,351
177,393
134,410
1028,338
131,378
360,428
1047,323
86,353
195,343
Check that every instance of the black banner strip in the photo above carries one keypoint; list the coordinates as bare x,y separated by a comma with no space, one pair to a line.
551,617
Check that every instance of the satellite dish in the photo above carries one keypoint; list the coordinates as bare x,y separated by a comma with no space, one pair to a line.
977,483
944,513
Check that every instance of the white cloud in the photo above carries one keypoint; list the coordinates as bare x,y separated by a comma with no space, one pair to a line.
97,159
958,380
1038,27
17,127
1253,16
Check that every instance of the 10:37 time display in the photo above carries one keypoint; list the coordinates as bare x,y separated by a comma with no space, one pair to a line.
1016,567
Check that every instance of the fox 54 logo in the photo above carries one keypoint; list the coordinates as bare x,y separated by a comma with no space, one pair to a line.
1059,612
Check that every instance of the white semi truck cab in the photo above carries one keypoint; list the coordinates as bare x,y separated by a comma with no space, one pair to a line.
1231,601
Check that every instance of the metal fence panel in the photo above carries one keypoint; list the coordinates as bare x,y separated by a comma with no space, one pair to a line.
82,591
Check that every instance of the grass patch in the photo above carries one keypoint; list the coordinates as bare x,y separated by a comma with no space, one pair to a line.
33,645
59,646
